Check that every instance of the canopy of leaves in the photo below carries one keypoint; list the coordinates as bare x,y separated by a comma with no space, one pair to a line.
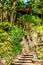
30,19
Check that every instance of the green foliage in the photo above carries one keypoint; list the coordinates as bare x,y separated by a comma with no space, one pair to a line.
10,37
30,19
5,46
40,56
20,5
39,53
39,48
22,20
3,36
37,28
34,19
5,26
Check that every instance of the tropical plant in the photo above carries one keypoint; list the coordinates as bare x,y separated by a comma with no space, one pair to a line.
10,37
30,19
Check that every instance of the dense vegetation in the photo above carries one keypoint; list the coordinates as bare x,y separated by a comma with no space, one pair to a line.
10,37
18,18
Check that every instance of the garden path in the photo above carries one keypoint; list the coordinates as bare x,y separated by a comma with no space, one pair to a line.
27,55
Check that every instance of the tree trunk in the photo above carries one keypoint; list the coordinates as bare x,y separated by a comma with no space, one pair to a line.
1,14
8,15
42,17
15,17
12,18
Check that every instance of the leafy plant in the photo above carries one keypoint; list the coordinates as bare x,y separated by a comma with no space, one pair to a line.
39,53
10,37
34,19
40,56
38,28
5,26
39,48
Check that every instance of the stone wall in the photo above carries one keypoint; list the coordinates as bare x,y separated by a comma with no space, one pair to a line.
31,40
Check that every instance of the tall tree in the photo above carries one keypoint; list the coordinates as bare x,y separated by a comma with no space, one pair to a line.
2,2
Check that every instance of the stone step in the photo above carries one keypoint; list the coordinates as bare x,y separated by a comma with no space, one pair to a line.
23,61
26,57
16,64
23,64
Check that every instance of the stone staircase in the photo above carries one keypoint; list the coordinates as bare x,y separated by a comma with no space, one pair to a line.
27,56
28,52
30,42
23,60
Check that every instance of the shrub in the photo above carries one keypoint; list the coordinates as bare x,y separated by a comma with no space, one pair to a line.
10,37
39,53
40,56
32,20
5,26
38,28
